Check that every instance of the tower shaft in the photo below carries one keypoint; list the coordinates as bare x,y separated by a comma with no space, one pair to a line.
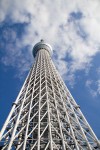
45,116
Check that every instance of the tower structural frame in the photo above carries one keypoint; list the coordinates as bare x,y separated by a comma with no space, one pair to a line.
45,116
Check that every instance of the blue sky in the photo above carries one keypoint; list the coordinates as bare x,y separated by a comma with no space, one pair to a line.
71,30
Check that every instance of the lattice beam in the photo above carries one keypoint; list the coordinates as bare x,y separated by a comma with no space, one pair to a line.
45,116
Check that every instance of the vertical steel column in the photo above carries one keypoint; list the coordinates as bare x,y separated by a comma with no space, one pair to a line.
48,109
39,104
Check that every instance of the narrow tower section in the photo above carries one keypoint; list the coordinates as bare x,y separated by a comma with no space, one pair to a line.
45,116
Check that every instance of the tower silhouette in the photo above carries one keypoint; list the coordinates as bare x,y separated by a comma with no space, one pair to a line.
45,116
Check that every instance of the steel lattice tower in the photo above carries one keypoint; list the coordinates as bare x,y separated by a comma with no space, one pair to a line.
45,116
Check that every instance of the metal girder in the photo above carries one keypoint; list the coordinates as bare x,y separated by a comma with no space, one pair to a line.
45,116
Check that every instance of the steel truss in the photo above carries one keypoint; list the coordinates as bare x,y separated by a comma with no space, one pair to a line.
45,116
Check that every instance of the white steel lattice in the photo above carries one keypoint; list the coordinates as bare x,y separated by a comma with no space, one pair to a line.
45,116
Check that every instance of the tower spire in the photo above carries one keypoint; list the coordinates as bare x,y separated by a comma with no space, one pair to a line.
42,40
45,116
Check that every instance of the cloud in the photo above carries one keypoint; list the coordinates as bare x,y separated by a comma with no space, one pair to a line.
93,87
98,87
72,30
98,71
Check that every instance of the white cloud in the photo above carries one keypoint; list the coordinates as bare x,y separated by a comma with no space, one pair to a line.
98,87
98,71
50,20
93,87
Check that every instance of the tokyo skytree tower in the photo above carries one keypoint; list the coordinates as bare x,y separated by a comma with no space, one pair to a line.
45,116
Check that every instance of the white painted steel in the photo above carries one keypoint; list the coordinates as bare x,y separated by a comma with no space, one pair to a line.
45,116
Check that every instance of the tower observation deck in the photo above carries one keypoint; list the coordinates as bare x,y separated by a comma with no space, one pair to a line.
45,116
